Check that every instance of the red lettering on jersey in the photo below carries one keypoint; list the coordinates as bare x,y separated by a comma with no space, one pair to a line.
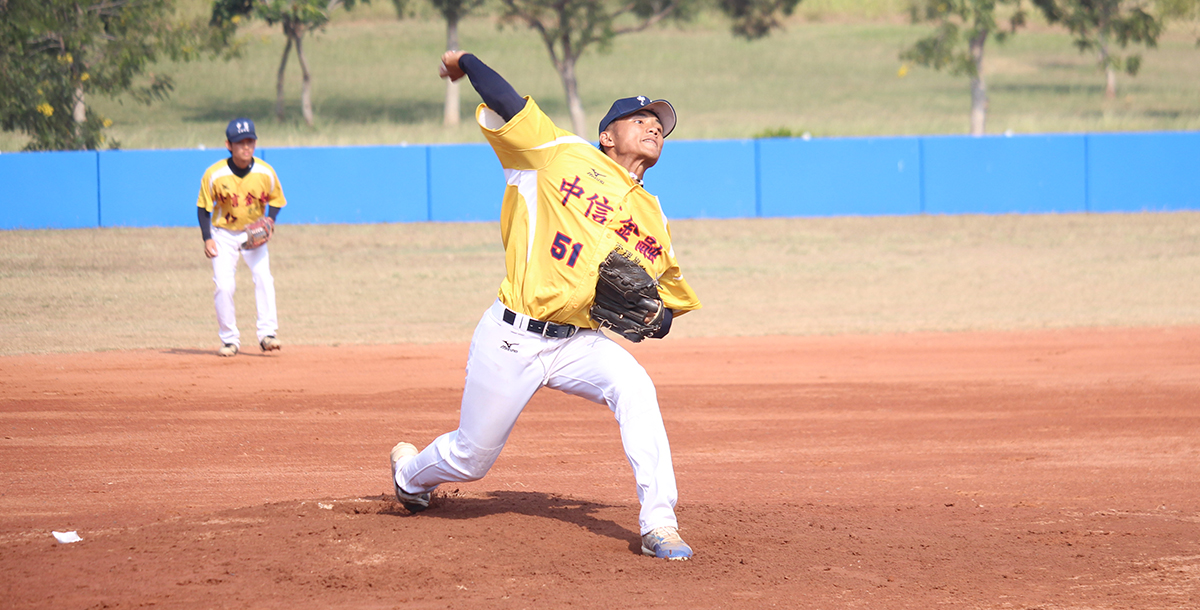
572,189
628,229
649,248
598,209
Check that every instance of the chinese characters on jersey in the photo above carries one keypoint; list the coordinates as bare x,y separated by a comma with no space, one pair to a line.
599,209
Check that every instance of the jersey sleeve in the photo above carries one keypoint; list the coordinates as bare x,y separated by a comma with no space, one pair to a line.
676,293
275,198
205,198
526,141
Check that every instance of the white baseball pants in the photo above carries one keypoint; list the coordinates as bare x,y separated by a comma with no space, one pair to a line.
229,245
506,366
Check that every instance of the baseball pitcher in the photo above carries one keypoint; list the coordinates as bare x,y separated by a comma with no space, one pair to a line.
586,247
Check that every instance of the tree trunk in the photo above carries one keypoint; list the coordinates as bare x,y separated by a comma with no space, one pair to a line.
450,112
287,31
566,71
1110,73
79,111
979,100
306,84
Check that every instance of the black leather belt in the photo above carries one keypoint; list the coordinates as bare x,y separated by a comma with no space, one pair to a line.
545,329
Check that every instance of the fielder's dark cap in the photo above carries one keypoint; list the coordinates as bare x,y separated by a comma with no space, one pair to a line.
240,129
629,105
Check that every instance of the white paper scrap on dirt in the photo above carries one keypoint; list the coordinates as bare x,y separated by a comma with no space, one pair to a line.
66,537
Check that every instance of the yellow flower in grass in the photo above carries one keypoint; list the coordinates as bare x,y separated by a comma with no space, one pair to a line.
236,19
903,71
65,58
85,76
108,122
45,109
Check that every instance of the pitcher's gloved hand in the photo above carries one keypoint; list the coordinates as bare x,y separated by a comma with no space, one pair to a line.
627,298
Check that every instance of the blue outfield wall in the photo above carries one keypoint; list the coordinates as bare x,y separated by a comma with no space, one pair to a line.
466,182
840,176
1127,172
49,190
1022,174
149,188
352,184
706,179
1136,172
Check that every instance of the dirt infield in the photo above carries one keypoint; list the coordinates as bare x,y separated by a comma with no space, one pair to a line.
1048,470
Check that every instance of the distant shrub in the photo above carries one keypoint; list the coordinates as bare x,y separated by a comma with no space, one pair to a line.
781,132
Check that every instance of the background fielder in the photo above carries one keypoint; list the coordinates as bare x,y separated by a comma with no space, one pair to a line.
234,193
566,207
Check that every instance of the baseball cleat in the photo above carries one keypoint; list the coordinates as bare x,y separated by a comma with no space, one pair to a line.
270,343
227,350
401,454
665,543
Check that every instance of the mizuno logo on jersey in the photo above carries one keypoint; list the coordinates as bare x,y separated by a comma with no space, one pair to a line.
508,346
597,176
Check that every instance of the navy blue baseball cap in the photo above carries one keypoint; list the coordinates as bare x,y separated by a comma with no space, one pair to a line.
240,129
629,105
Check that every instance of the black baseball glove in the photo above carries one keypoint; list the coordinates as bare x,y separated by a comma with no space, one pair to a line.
627,298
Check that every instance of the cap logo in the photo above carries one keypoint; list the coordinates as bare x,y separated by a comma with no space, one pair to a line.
642,100
242,126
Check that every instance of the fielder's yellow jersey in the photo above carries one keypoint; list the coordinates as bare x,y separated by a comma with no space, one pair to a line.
566,207
236,202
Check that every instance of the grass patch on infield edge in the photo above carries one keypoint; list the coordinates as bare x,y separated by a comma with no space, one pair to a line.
104,289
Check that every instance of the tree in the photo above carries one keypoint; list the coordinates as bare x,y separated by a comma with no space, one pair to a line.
452,11
56,54
754,19
297,17
957,43
1098,24
570,27
1187,11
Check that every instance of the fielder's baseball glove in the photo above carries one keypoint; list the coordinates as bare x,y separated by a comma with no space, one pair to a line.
627,298
259,232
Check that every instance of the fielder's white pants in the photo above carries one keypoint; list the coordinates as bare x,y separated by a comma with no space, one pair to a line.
229,244
506,365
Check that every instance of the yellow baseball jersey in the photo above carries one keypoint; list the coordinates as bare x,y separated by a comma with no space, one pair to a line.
566,207
236,202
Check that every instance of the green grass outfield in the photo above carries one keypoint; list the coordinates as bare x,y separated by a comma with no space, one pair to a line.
833,72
